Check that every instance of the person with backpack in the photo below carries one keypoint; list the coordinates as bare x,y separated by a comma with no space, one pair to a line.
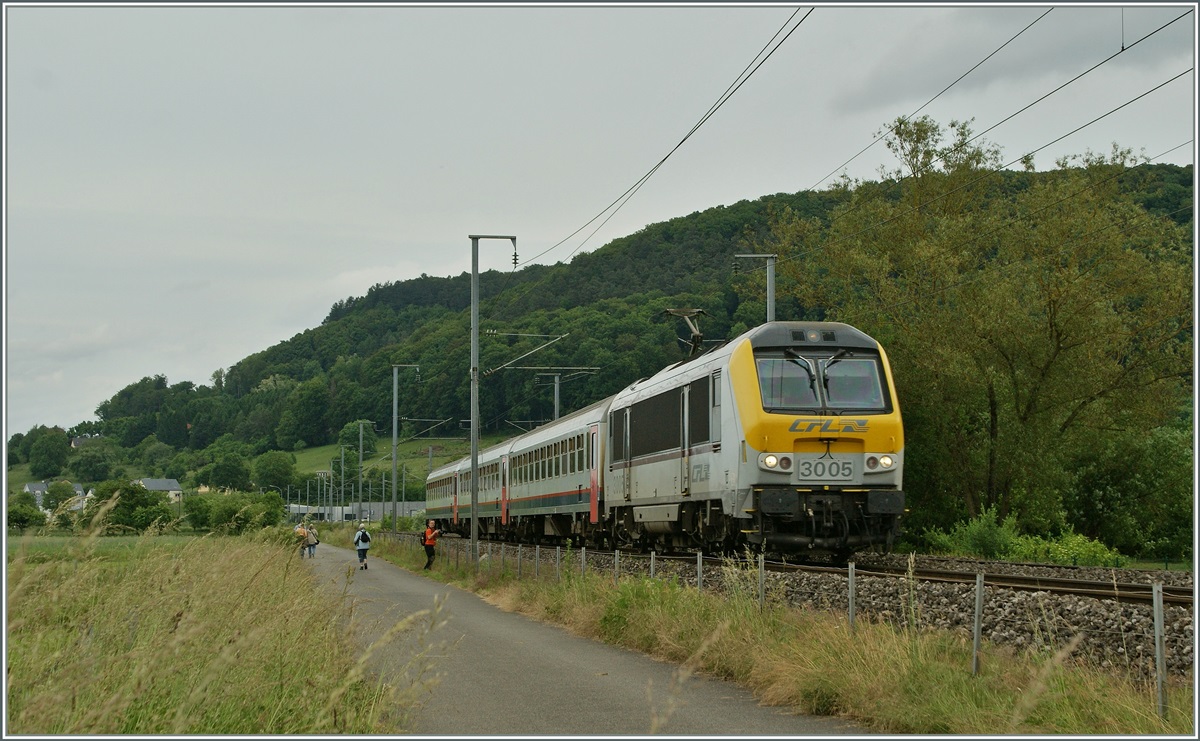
312,541
301,534
430,542
362,541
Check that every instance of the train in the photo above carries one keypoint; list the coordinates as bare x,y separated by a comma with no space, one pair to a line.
785,439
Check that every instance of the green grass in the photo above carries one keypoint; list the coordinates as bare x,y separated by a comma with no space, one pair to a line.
179,635
412,453
18,476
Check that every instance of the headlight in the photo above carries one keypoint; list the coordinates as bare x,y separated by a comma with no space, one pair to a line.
774,462
879,462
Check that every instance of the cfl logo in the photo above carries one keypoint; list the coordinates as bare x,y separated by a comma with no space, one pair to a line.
828,425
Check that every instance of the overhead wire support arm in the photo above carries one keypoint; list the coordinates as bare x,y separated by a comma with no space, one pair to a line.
531,352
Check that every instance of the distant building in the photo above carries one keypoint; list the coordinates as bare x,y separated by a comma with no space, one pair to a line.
38,490
354,512
170,487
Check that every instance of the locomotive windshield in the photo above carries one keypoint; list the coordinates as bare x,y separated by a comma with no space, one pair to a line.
835,385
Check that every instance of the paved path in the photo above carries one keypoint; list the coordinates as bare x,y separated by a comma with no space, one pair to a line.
500,673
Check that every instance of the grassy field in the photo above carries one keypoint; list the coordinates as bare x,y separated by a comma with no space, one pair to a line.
413,454
184,635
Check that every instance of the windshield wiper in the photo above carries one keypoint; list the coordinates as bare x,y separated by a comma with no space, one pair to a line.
843,353
804,363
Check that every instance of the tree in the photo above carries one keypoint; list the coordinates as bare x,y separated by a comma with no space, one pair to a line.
237,512
14,449
135,507
57,494
95,462
24,516
22,497
48,456
230,472
350,432
198,508
1023,326
275,468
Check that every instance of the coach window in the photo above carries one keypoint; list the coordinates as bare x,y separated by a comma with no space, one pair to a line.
715,429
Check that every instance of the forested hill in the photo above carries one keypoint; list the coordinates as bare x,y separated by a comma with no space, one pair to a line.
676,256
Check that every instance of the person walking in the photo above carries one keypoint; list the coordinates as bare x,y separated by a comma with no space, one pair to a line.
311,541
301,535
430,542
362,541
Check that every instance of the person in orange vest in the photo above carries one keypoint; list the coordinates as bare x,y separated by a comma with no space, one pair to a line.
430,542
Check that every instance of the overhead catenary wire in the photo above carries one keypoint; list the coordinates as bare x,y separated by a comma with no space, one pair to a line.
741,79
751,68
979,64
989,173
1005,120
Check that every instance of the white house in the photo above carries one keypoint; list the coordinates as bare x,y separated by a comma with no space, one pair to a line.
170,487
38,490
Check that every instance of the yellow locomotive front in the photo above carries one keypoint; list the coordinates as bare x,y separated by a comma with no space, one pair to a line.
822,456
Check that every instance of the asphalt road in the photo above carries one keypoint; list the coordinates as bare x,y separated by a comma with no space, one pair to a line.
487,672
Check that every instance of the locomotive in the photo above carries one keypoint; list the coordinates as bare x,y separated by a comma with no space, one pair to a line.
787,439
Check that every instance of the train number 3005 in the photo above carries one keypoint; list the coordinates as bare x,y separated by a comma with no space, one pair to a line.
825,469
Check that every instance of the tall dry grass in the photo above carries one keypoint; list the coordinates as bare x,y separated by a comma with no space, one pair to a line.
212,635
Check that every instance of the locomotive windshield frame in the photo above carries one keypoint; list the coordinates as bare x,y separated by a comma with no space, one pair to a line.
839,383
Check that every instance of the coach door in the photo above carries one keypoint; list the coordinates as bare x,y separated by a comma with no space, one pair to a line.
504,489
592,453
684,457
618,428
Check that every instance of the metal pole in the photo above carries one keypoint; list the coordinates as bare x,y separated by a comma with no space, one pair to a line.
475,400
342,488
770,282
557,378
771,288
978,623
1160,655
395,420
762,582
360,442
850,579
475,387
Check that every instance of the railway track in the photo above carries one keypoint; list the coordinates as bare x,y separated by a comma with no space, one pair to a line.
1121,591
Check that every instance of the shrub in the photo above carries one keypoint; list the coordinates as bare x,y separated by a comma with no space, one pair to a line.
983,536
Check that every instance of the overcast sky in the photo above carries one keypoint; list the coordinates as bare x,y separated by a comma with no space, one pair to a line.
185,186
